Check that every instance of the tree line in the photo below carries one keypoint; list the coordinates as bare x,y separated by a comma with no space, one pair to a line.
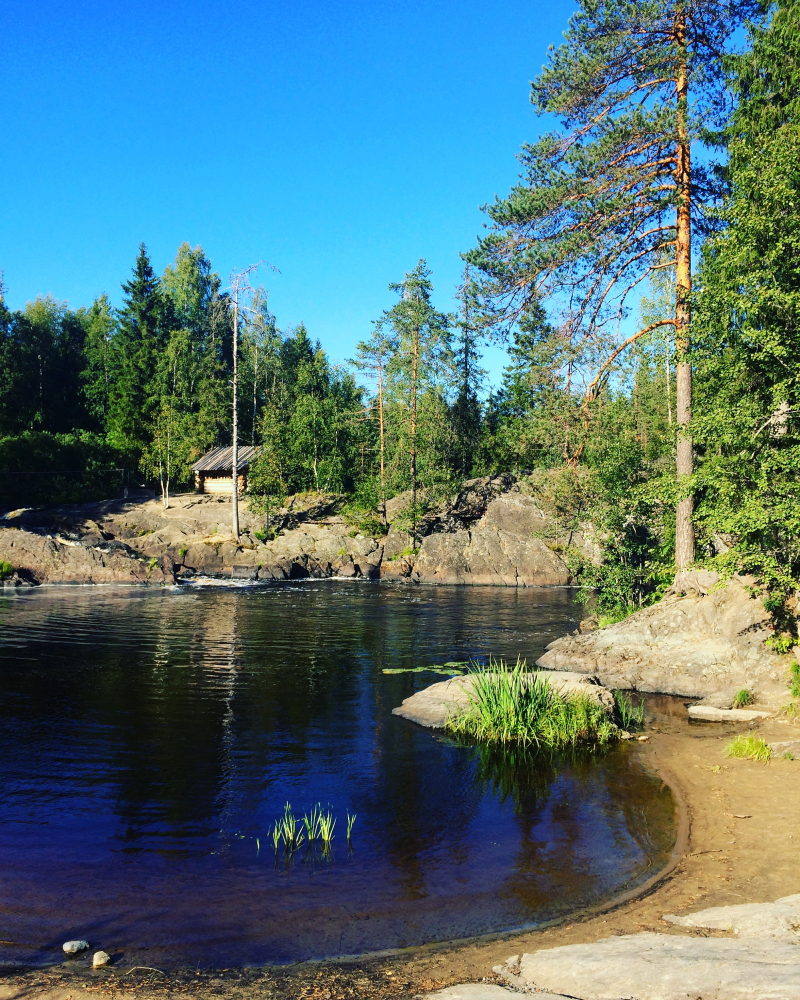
642,276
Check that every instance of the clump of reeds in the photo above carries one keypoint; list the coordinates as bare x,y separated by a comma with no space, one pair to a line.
749,747
742,698
316,826
630,715
513,705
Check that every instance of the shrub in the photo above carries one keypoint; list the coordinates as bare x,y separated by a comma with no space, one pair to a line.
742,698
749,748
6,569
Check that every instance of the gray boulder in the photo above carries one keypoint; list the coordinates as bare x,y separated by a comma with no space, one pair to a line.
692,644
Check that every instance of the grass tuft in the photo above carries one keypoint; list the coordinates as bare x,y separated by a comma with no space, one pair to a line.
630,715
513,705
749,748
742,698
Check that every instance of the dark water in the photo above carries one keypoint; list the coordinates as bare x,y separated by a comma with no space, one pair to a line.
149,738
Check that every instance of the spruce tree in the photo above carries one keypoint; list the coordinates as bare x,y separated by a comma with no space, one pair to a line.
605,198
136,347
748,318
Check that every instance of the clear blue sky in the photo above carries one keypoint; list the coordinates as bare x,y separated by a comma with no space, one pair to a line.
341,141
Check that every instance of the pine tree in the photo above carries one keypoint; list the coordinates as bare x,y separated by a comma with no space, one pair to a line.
635,84
423,349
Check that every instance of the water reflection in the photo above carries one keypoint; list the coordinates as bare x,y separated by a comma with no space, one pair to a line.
149,739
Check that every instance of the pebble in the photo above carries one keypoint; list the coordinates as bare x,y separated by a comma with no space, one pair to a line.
73,947
100,958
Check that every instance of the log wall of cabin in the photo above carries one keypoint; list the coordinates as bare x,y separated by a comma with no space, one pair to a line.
217,483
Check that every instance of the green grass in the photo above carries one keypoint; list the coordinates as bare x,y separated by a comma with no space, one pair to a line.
794,681
513,705
6,569
749,748
742,698
631,716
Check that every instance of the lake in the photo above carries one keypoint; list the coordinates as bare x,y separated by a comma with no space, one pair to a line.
150,738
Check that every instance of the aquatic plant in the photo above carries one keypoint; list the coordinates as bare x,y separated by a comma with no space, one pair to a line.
350,821
749,747
631,716
513,705
327,822
451,669
311,823
742,698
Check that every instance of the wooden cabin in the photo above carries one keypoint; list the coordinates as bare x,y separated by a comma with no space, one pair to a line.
213,473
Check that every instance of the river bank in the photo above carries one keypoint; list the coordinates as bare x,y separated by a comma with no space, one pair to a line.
492,533
736,833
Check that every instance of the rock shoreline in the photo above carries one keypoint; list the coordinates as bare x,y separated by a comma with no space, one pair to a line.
490,535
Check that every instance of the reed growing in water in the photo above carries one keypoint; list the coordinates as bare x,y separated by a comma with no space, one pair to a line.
514,705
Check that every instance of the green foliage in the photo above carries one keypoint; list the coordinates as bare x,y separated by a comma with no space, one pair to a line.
794,680
749,747
6,569
41,468
362,509
742,698
747,322
511,705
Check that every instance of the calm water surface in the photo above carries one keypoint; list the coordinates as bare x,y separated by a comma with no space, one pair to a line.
148,739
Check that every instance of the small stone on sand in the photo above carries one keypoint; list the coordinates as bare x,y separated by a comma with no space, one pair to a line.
100,958
73,947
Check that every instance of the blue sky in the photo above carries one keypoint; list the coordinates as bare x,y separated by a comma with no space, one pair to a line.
341,141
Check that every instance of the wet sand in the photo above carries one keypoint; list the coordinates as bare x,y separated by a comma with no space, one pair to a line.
736,843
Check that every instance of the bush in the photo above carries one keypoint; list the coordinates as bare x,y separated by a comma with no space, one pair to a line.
43,468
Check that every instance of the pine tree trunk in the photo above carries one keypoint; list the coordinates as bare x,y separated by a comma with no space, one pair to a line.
684,529
235,436
414,364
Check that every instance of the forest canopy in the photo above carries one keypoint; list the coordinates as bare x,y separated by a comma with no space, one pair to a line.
643,276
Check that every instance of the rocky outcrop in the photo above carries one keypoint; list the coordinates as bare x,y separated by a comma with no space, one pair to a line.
491,533
696,644
508,546
48,559
434,705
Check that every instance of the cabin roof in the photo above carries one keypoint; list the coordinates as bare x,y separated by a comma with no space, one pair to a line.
221,459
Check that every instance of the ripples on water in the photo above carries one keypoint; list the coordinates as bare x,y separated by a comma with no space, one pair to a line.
149,738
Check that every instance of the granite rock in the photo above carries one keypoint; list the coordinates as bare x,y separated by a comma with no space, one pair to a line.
690,644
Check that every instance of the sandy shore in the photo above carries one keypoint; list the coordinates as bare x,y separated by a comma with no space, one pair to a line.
736,844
